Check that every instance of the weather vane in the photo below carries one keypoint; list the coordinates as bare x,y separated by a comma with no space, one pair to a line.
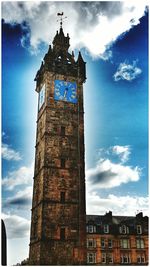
61,18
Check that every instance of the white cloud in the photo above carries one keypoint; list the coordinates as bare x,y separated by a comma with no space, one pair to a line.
16,226
108,174
9,153
127,72
23,175
106,55
122,151
111,171
21,199
93,25
119,205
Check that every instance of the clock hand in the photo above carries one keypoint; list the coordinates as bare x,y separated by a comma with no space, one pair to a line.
66,90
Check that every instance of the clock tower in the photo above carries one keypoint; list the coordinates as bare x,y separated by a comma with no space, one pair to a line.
58,223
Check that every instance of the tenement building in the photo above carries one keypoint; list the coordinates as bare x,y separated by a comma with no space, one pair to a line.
58,224
117,240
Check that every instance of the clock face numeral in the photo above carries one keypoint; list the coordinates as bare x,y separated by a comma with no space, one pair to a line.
66,91
42,96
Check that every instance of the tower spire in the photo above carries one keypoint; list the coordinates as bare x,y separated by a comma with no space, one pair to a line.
60,15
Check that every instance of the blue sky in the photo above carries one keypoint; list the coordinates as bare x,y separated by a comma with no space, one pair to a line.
113,39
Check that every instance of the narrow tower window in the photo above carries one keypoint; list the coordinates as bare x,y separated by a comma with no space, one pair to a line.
62,130
62,233
34,229
62,197
62,163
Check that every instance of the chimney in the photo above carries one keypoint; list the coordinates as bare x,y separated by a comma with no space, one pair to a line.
139,216
108,215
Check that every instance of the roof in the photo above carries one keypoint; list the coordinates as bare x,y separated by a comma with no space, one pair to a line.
109,218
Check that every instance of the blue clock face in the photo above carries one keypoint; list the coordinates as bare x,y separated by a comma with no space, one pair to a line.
65,91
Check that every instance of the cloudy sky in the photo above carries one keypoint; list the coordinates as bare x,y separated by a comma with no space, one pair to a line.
113,39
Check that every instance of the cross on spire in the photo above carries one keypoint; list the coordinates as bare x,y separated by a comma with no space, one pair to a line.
61,18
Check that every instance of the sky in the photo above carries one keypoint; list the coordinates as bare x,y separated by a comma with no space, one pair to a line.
113,40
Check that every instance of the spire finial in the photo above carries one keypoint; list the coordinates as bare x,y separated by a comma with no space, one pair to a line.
61,18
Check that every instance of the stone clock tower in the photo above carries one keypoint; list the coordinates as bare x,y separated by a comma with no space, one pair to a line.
58,228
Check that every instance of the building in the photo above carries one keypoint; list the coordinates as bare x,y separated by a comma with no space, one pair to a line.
58,223
117,240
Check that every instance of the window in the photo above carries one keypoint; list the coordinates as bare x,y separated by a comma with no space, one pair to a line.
102,242
138,259
91,257
140,243
62,233
125,258
124,229
141,258
110,243
62,130
62,163
106,228
139,229
124,243
110,258
103,257
62,197
55,129
91,243
91,229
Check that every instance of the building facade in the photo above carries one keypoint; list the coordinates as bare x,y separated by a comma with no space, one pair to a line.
117,240
58,223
